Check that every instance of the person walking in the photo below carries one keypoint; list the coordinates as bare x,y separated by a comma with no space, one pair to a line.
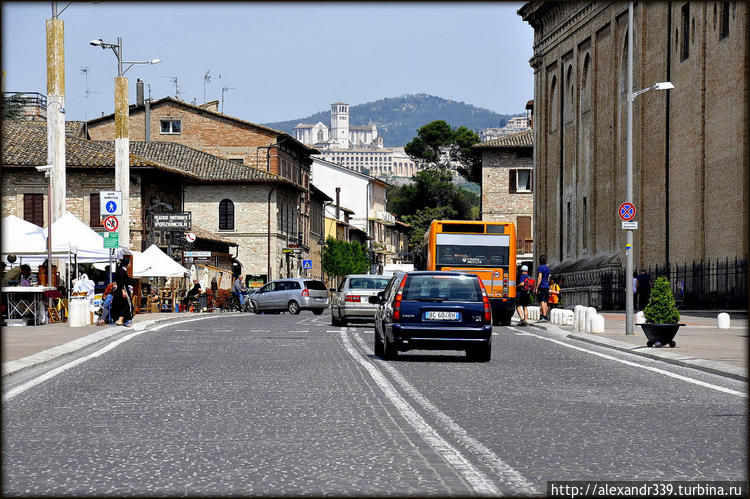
635,289
644,283
121,300
523,298
554,293
542,287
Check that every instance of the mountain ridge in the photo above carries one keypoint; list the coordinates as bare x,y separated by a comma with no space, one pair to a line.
399,118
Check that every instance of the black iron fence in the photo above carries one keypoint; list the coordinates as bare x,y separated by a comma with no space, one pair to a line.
703,285
711,284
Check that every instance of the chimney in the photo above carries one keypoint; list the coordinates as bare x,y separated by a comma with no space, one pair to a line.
139,92
338,195
530,114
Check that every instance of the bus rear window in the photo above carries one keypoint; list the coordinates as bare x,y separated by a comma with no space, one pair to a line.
471,228
495,229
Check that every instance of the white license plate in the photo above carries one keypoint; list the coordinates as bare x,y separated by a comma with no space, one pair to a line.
441,316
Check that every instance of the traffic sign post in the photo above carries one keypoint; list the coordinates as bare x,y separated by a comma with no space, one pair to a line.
111,239
110,203
111,224
626,212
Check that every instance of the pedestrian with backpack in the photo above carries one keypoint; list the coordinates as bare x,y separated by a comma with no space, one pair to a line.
542,288
523,295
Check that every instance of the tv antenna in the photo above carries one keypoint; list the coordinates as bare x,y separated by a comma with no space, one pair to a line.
86,93
224,89
207,79
173,79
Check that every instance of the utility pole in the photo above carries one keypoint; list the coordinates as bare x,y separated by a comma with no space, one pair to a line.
55,115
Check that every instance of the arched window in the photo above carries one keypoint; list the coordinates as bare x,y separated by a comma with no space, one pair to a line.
585,86
552,106
226,215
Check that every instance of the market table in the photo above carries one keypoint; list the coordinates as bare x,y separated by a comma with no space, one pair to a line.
25,300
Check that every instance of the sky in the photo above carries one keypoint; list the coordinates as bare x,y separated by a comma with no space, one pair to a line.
279,61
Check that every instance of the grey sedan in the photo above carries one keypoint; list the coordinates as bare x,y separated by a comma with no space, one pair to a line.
351,301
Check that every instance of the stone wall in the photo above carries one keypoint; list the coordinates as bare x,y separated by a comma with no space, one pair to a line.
498,203
80,185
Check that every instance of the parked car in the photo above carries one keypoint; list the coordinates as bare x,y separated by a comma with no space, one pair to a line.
433,310
292,295
351,301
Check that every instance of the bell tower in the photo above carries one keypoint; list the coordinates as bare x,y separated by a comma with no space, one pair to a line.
340,125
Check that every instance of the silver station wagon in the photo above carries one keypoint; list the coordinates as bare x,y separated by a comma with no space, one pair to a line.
351,301
292,295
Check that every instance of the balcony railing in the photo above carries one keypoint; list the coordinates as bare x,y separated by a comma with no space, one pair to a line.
525,246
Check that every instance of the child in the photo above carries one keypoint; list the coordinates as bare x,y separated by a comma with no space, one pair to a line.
554,293
523,295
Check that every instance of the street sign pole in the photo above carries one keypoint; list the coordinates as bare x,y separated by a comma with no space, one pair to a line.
629,183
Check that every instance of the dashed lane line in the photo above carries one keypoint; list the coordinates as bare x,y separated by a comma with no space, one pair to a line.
504,471
478,481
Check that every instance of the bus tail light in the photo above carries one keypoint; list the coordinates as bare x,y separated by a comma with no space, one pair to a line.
397,301
486,302
505,285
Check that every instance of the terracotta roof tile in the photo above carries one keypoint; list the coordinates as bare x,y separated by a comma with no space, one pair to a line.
522,139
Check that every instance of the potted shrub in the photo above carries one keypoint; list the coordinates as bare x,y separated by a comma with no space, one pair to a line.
661,315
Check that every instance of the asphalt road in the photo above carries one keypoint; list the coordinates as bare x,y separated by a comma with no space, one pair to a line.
289,405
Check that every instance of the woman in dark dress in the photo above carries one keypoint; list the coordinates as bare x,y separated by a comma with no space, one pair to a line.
121,302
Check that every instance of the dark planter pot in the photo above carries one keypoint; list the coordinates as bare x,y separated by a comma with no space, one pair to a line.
660,335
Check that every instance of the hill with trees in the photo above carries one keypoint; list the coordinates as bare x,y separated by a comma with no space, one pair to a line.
399,118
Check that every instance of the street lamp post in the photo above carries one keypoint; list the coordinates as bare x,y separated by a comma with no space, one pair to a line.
629,171
122,141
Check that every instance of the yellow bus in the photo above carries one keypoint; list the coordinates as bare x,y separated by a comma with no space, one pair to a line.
487,249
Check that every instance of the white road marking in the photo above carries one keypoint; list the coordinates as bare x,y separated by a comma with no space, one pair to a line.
648,368
506,473
478,481
54,372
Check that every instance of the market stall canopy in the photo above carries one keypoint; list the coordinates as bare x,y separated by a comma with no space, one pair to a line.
70,233
20,236
155,263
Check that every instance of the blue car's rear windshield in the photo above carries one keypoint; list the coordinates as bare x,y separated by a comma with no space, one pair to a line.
444,288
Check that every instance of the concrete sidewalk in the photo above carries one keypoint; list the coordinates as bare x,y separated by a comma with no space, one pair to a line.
700,343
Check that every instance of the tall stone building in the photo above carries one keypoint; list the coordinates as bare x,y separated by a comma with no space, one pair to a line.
508,185
690,176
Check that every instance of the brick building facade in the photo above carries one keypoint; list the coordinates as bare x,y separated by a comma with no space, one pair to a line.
167,173
690,174
243,142
508,185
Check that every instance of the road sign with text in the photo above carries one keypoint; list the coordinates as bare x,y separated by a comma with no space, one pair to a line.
110,203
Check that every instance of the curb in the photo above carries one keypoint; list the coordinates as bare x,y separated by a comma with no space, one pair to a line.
710,366
19,365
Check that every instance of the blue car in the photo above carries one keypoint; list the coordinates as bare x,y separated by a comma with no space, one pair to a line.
433,310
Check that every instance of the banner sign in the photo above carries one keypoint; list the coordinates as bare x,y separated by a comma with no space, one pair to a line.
172,220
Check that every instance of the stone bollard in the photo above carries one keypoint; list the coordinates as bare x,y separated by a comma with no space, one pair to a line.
569,318
533,313
723,320
590,313
578,317
640,318
554,316
597,324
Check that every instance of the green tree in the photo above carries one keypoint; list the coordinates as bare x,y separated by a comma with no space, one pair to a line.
12,107
661,308
436,138
422,219
341,258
